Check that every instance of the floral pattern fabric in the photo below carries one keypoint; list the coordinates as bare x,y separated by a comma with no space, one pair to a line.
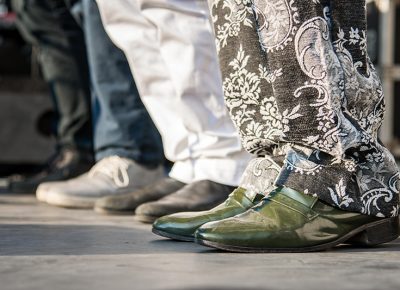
298,81
260,175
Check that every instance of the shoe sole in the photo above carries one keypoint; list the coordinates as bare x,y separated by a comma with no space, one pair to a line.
75,202
71,202
369,235
105,211
172,236
147,219
43,191
41,196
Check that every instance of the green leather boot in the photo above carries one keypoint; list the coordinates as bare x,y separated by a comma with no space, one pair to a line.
182,226
288,221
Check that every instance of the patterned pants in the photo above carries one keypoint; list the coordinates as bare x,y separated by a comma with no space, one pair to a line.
301,89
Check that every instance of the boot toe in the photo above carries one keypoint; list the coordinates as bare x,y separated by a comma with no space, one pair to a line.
154,209
115,203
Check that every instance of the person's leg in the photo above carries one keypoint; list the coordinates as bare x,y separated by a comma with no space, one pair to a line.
126,141
122,125
50,26
62,53
313,95
177,75
178,78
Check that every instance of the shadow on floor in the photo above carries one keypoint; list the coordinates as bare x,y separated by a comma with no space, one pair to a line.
393,246
7,169
389,247
32,240
81,240
21,169
221,288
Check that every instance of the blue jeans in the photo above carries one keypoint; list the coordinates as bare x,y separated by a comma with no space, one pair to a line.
122,125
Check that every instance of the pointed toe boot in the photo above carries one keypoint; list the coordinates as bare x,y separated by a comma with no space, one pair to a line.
197,196
289,221
182,226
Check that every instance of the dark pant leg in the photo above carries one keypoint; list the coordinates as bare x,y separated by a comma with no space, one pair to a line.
122,125
296,84
49,25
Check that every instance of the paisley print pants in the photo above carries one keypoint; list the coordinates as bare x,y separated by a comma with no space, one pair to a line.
302,91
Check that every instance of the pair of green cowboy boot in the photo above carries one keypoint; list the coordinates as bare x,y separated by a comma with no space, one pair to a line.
283,221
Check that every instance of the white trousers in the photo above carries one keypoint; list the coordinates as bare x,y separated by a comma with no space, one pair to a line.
171,51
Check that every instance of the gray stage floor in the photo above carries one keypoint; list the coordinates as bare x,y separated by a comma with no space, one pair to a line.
43,247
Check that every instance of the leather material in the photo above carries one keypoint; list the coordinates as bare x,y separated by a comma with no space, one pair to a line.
111,176
66,164
287,220
129,201
197,196
182,226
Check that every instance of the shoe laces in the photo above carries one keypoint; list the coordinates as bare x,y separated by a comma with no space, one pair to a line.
115,168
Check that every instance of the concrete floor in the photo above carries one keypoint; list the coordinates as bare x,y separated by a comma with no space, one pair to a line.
43,247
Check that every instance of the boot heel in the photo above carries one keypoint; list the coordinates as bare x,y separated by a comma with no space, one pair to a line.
383,232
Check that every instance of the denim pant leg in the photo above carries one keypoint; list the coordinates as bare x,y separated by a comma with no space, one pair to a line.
122,125
62,52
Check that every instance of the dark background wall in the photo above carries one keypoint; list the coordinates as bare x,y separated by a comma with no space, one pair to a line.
23,99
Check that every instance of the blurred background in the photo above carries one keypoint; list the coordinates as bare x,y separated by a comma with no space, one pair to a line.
27,122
